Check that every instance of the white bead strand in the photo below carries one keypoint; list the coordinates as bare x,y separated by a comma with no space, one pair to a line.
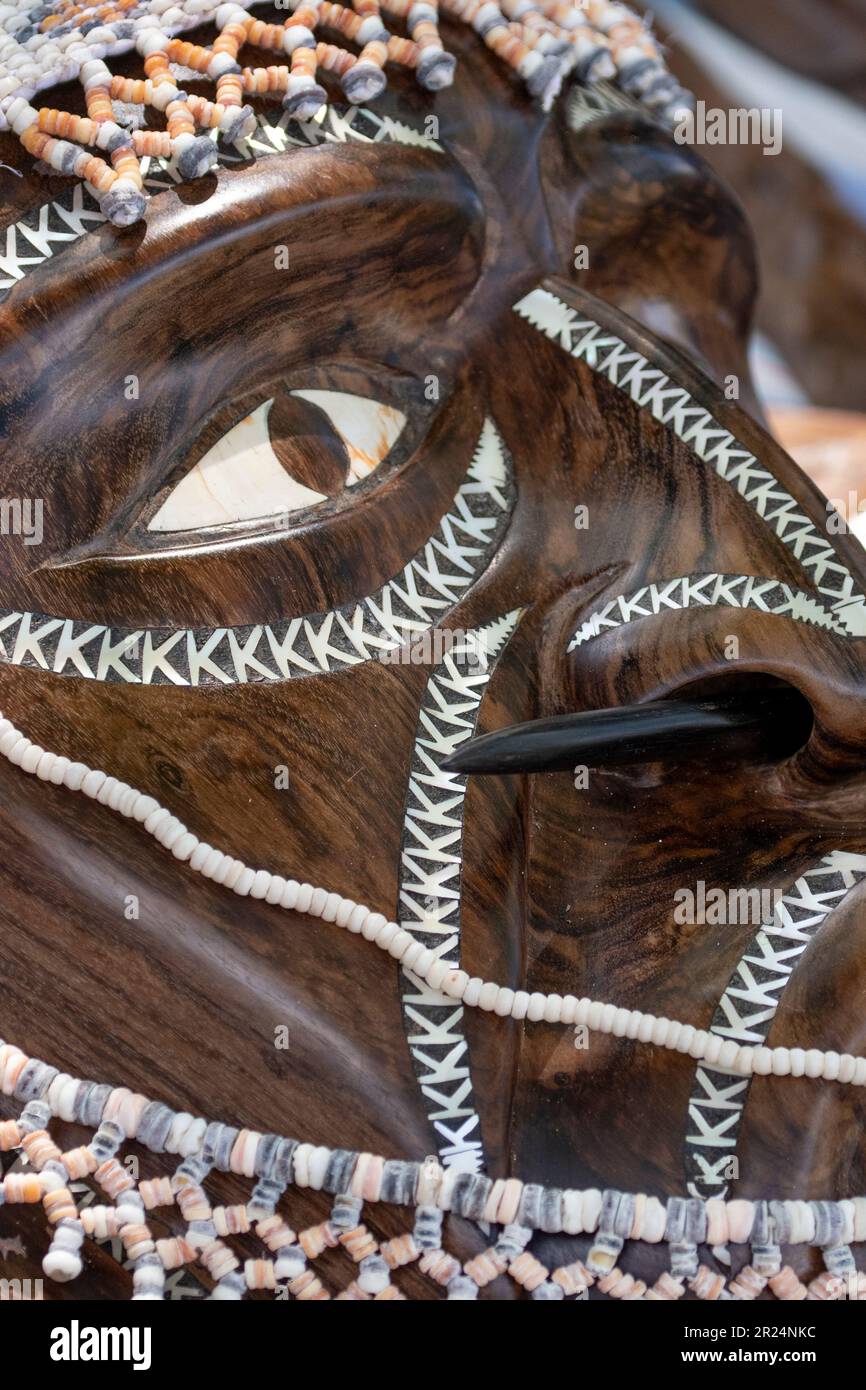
486,995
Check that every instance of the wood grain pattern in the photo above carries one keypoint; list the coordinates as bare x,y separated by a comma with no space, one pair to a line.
405,264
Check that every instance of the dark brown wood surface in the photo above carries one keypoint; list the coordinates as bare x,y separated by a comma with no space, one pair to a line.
405,264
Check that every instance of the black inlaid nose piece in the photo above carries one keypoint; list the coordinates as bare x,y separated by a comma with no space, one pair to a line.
777,717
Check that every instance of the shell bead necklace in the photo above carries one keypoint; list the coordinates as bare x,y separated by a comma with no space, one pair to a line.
609,1217
374,926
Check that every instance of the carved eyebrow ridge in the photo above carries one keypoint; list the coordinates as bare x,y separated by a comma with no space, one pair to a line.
46,230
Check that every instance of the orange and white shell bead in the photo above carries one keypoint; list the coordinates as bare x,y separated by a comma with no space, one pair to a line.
44,45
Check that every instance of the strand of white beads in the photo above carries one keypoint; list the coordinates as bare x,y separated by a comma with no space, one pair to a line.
474,992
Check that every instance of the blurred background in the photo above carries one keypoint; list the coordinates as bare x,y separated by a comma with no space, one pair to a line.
806,205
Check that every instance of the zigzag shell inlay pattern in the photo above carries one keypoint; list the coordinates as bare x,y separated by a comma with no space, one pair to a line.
431,864
706,591
747,1008
431,584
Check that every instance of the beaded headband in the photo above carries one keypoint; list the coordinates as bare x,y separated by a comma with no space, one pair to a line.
42,45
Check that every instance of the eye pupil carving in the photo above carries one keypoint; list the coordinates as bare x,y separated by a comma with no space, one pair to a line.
369,428
307,445
289,454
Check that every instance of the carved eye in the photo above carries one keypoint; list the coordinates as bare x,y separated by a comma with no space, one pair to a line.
290,453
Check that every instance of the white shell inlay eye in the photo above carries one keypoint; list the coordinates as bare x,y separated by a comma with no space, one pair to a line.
368,428
239,479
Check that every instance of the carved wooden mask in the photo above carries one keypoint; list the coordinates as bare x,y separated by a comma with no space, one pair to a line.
450,427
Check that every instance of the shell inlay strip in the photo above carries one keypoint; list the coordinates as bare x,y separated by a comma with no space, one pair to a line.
746,1011
431,865
706,591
